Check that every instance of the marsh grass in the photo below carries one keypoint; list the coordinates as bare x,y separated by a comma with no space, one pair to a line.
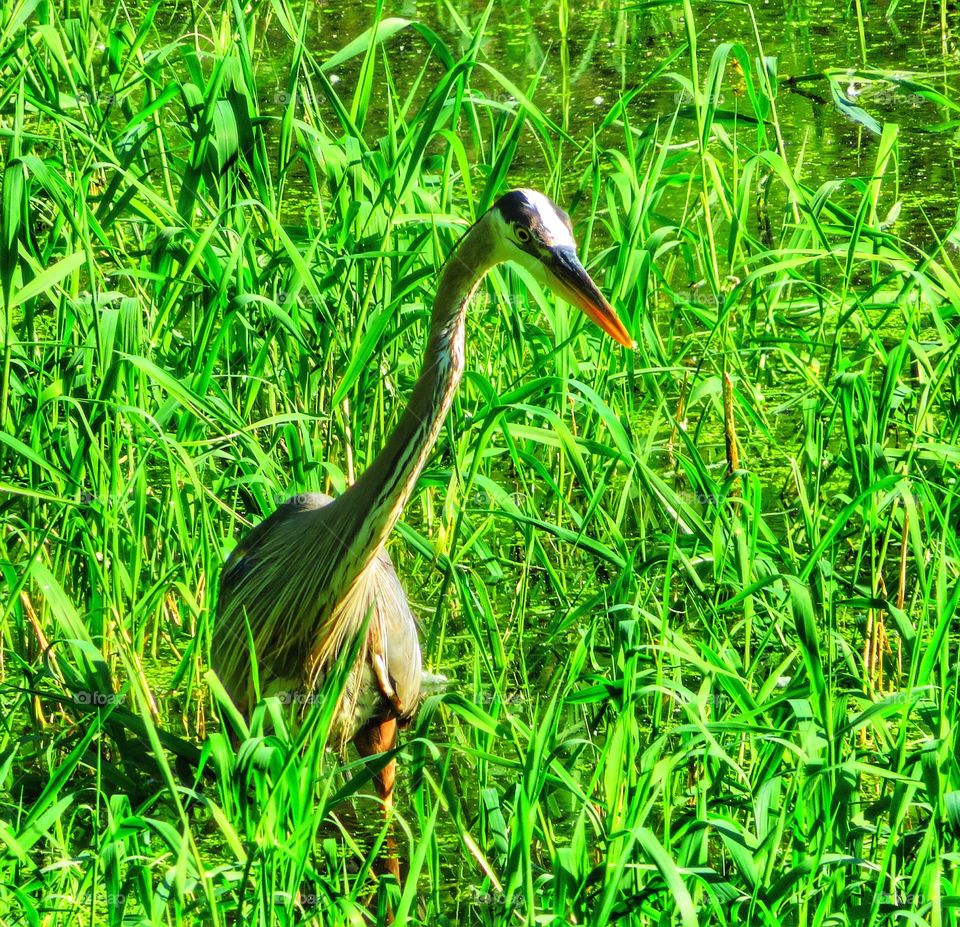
681,695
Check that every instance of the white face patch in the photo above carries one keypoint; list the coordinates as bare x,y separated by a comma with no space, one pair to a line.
552,223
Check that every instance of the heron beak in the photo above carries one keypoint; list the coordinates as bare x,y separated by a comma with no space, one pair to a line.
569,280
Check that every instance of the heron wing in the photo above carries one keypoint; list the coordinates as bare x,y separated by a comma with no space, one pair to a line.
244,555
229,653
393,647
394,641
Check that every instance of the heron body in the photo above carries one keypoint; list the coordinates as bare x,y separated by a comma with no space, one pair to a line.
386,679
302,583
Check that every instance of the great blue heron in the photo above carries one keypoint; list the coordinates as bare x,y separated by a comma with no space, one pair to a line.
302,584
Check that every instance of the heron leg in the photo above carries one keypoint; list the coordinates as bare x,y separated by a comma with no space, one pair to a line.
379,738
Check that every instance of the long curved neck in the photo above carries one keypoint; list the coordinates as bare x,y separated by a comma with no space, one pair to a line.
372,505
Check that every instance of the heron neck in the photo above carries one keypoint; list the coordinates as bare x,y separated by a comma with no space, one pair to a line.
376,501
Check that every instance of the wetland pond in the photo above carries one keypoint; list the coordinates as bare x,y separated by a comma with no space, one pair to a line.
531,585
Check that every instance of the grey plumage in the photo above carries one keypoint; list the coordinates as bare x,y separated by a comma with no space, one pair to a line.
386,679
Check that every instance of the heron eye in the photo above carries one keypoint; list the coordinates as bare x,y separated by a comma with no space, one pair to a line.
523,236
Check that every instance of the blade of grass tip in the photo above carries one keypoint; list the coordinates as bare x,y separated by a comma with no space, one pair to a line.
222,699
47,279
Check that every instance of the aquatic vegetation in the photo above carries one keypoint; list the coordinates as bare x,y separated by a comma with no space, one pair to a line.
697,602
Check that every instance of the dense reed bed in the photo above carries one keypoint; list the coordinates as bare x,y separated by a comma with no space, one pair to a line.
698,603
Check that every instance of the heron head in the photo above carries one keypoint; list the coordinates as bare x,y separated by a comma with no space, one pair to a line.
536,233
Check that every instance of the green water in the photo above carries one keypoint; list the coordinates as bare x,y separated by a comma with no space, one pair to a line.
607,50
611,49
